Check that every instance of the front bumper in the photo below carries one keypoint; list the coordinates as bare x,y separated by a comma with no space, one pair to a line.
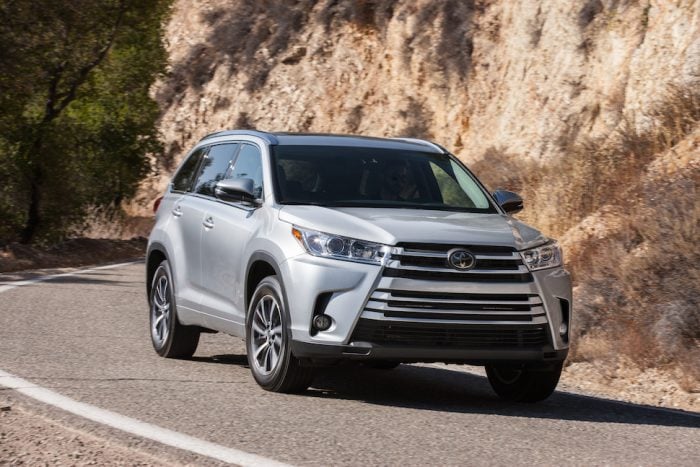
345,291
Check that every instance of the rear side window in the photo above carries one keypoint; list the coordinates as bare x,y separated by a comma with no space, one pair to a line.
184,177
215,167
249,165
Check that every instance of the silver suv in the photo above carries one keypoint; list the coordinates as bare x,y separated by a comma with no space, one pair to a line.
319,249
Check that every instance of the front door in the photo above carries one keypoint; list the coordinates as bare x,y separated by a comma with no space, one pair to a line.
231,228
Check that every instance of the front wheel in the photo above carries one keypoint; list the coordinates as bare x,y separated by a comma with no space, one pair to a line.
268,342
523,384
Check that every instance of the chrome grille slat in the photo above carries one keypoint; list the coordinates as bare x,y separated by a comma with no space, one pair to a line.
514,256
379,306
444,247
419,254
426,292
449,275
382,295
521,269
488,320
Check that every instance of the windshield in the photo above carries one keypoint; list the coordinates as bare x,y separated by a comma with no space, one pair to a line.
341,176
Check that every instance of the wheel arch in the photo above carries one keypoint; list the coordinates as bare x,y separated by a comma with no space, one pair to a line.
261,265
156,255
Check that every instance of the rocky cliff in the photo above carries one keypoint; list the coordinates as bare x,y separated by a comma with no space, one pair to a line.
589,107
521,76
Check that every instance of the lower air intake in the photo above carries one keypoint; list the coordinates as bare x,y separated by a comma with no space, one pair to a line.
448,336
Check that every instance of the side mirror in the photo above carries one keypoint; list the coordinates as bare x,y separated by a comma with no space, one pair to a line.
236,190
509,201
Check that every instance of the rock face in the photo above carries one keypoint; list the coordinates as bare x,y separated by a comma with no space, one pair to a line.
516,75
514,87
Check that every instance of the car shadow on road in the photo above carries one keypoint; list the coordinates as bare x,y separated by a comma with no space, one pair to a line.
445,390
90,280
229,359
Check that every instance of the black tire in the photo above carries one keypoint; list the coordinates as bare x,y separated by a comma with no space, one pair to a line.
381,364
269,353
523,384
180,341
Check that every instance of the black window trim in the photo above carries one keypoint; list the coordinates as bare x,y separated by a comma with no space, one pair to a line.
239,144
205,151
262,166
206,148
200,168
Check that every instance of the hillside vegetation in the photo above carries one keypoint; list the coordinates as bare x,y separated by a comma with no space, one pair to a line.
77,124
589,108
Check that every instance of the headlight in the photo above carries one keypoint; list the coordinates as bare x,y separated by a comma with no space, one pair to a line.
543,257
337,247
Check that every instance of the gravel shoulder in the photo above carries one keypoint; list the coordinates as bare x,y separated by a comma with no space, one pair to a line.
626,382
32,433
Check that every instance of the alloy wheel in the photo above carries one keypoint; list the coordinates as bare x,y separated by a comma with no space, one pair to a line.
267,335
160,310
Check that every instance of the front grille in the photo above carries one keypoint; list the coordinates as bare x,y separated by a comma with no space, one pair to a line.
419,305
448,336
429,261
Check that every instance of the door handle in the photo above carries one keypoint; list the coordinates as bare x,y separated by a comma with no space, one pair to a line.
177,212
208,223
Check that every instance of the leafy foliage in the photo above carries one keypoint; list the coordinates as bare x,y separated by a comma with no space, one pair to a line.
76,119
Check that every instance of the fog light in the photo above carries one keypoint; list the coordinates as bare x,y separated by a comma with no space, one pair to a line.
563,329
322,322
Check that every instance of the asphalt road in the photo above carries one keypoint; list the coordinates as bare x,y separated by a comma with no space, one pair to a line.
86,337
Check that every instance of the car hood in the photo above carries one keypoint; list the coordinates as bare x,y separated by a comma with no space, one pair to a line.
391,226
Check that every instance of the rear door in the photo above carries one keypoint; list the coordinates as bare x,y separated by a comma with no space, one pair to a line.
231,227
184,229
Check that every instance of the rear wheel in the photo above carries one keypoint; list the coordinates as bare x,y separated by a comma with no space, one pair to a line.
170,338
268,342
523,384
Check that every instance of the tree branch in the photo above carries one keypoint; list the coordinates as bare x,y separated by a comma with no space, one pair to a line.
69,96
50,110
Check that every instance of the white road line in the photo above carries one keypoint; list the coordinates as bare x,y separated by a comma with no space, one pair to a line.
133,426
15,284
118,421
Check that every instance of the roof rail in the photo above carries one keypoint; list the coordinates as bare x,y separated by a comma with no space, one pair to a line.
423,142
268,137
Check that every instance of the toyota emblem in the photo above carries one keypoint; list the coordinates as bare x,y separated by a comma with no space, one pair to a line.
461,259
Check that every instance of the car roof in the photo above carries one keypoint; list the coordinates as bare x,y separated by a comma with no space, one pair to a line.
325,139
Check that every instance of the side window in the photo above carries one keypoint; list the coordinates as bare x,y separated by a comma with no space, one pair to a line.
215,167
182,181
249,165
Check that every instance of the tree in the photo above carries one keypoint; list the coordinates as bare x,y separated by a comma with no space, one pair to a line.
76,120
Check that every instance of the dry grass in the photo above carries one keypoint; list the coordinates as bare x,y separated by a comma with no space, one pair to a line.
113,224
69,253
631,231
